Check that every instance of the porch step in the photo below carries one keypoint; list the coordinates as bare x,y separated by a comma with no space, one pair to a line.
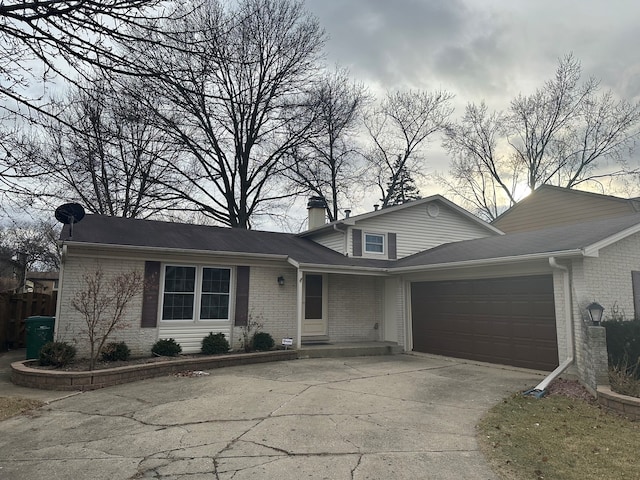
332,350
314,339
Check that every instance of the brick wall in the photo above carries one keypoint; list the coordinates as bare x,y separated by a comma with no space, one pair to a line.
271,304
608,277
355,308
70,323
607,280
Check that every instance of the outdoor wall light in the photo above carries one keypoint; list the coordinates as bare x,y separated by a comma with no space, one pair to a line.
595,312
281,280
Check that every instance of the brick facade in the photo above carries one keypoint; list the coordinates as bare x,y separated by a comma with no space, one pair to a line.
70,325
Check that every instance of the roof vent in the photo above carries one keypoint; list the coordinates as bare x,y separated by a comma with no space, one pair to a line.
347,213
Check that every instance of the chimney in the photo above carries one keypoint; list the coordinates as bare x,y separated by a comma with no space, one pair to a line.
316,207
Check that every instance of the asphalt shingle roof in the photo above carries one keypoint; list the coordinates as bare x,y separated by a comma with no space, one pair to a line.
547,241
103,229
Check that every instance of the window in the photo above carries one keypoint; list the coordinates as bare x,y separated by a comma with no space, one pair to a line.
313,297
373,243
196,289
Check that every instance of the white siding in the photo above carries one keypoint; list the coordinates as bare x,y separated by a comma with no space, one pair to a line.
416,230
333,240
190,336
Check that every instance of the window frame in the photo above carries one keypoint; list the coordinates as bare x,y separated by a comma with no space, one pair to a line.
366,251
197,295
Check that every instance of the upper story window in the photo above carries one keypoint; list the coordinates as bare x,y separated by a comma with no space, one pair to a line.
189,289
373,243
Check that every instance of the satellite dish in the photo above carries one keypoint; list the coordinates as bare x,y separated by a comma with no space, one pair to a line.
68,214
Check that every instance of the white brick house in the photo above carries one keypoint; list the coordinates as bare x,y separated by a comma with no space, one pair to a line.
426,275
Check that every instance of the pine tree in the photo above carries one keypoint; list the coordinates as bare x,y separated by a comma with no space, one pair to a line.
401,187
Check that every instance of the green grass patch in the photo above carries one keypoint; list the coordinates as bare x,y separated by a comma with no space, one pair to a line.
558,437
11,406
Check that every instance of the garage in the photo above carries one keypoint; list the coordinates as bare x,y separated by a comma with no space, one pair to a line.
510,321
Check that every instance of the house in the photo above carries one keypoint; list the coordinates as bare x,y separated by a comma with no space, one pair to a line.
549,205
426,275
41,282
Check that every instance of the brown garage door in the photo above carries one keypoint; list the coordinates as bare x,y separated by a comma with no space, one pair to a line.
510,321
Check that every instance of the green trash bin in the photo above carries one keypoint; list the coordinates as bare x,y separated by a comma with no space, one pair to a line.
39,331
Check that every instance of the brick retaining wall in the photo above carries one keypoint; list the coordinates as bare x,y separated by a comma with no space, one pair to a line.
23,374
623,404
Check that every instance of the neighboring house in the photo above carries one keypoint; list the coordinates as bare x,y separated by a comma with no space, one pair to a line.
548,206
42,282
426,275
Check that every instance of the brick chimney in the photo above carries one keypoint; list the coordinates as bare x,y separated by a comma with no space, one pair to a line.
316,208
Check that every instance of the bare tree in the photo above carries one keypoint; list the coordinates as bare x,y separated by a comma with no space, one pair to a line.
327,163
566,133
109,161
42,38
34,241
232,83
399,129
44,43
103,303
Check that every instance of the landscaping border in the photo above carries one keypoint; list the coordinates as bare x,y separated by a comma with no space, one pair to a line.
623,404
22,374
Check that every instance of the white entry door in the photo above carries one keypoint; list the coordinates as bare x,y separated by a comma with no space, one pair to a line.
314,322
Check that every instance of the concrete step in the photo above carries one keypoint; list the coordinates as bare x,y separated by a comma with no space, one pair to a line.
331,350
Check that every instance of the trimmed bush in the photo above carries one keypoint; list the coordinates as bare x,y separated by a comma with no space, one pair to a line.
215,343
115,351
263,341
166,347
57,354
623,344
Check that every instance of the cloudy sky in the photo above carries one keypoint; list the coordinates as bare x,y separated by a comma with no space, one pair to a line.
487,50
482,49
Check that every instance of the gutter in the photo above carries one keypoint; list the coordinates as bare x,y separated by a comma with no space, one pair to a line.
174,250
541,389
487,261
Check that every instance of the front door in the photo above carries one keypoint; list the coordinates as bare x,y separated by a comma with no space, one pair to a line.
315,305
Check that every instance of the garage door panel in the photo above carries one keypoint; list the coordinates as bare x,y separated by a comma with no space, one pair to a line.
500,320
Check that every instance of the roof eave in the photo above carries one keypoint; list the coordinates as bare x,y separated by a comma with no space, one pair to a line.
170,250
489,261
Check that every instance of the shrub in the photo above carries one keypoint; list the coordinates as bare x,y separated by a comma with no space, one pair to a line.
57,354
166,347
215,343
623,344
115,351
263,341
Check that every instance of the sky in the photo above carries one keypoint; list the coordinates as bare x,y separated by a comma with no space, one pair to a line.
480,50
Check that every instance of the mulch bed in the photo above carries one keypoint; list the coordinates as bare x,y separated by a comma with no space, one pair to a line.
571,389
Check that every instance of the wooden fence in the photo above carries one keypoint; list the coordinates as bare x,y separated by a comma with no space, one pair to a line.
15,308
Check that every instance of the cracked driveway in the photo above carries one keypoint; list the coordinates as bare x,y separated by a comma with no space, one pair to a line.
389,417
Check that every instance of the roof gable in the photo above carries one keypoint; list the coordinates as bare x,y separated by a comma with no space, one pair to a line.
582,239
397,208
568,206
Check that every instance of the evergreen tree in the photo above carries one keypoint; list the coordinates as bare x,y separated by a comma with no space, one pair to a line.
401,187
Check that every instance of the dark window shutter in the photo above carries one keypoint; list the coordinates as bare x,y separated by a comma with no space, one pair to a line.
357,242
391,239
151,290
242,296
635,282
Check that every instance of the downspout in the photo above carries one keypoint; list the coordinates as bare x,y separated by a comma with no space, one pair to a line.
344,244
63,258
299,278
541,389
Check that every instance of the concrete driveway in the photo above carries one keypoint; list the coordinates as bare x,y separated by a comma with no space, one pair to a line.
388,417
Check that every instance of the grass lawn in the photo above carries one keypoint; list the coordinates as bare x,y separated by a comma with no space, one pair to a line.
10,406
558,437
